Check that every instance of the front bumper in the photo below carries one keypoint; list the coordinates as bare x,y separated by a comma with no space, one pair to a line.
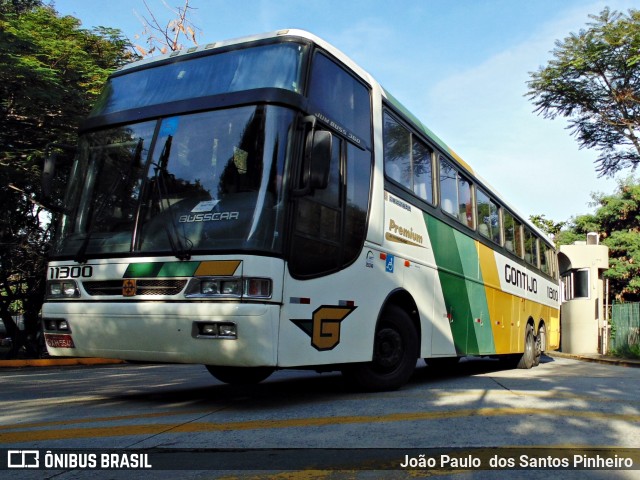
164,331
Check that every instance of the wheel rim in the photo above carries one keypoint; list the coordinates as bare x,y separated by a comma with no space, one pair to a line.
541,341
529,344
389,349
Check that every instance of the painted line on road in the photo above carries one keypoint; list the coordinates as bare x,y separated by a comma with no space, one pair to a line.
194,427
104,419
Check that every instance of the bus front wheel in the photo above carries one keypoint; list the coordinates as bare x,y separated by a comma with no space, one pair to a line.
240,375
395,352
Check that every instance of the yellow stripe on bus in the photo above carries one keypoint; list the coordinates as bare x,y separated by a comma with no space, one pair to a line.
509,313
217,268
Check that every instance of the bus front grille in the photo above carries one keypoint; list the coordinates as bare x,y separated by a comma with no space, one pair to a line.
143,287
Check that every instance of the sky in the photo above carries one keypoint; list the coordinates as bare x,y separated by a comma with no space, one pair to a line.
460,66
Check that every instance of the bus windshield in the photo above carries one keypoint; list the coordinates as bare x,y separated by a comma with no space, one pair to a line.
201,182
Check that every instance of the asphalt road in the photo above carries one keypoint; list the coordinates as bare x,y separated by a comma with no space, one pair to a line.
476,409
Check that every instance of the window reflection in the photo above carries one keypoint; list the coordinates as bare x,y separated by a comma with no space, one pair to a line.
207,181
277,66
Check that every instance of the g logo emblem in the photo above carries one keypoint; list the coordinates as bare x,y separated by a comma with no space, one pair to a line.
324,327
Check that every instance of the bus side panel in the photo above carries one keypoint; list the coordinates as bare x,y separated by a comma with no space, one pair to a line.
332,319
465,298
533,297
453,284
422,282
478,298
500,303
553,331
406,236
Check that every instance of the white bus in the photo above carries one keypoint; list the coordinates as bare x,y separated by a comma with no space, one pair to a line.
262,203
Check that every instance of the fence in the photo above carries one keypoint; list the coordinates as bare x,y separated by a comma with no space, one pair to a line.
625,322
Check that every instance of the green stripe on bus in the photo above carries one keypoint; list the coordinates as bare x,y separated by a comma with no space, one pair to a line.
464,293
454,286
161,269
478,302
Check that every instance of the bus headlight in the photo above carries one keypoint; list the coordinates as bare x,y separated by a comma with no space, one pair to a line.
209,287
62,289
230,287
226,287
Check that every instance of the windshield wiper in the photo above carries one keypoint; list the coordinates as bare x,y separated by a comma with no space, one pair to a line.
161,172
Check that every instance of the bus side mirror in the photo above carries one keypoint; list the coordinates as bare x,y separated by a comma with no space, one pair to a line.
48,172
316,163
320,159
49,167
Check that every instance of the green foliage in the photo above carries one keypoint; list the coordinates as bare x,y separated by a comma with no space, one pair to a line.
568,237
627,351
546,225
617,220
624,263
51,70
594,81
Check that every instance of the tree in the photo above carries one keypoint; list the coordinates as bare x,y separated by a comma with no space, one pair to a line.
594,81
51,71
617,220
165,38
546,225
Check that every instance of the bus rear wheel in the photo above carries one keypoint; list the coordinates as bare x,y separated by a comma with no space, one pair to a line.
541,345
240,375
395,352
527,360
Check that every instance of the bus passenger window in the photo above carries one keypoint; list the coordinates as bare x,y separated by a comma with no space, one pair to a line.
544,257
397,153
407,161
530,248
465,206
488,220
455,194
448,187
512,235
422,172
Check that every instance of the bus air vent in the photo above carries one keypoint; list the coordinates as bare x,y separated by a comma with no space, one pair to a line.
144,287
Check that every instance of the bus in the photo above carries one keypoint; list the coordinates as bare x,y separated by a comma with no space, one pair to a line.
263,203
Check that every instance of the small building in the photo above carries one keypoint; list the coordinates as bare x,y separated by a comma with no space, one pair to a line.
583,324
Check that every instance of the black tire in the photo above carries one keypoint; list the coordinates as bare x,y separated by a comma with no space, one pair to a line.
528,357
395,353
240,375
541,345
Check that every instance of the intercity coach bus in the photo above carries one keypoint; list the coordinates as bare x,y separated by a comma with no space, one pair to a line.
263,203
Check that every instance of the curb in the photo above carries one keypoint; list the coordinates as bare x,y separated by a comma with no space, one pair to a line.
64,362
58,362
595,358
